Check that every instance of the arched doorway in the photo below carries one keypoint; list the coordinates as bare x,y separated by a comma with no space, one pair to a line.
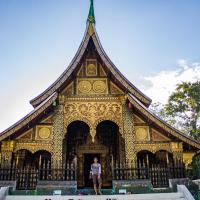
42,159
77,134
107,134
24,159
145,158
79,148
161,157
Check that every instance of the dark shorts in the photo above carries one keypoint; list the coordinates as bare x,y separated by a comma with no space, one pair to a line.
96,179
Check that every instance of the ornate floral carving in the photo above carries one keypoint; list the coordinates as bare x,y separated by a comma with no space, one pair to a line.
128,134
84,86
93,112
99,86
187,157
58,134
34,146
114,89
91,70
142,133
156,136
152,147
8,145
44,133
92,86
27,136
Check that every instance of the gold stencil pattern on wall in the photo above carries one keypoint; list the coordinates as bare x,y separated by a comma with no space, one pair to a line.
142,133
91,67
69,90
26,136
114,89
81,71
156,136
93,111
101,71
84,86
92,86
43,132
99,86
91,70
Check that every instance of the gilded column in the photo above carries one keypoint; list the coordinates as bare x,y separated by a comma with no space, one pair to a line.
187,158
58,135
177,150
128,135
6,153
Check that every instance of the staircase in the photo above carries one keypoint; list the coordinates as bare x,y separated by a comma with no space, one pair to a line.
160,196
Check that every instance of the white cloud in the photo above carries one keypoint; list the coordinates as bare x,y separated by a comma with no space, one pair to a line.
164,83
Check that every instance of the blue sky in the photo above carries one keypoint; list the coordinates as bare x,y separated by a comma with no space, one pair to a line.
150,41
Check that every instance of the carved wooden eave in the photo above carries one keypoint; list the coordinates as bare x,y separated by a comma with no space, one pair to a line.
25,121
162,124
90,34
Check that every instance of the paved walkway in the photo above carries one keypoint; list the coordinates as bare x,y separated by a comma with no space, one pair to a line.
163,196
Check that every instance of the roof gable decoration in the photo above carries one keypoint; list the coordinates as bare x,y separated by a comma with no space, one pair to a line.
91,34
162,124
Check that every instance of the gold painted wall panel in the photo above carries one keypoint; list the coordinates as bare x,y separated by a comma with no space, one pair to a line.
87,86
91,67
152,147
93,111
114,89
27,136
156,136
43,132
69,90
187,157
34,146
142,133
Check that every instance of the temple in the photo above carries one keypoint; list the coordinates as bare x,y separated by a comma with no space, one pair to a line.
92,110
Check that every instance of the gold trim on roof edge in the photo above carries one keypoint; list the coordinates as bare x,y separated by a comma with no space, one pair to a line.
28,118
163,124
66,74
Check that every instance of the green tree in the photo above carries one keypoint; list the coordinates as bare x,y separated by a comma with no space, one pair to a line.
184,104
196,167
183,108
159,110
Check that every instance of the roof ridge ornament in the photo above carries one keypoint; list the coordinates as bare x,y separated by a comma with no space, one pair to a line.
91,16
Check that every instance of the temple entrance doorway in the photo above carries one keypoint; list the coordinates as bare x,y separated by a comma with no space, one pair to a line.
77,133
88,160
79,148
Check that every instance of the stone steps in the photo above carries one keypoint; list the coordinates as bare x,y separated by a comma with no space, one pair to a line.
159,196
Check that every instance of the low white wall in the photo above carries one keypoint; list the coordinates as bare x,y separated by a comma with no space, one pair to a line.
153,196
185,191
3,193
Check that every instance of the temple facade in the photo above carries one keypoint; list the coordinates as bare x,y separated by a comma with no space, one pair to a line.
92,110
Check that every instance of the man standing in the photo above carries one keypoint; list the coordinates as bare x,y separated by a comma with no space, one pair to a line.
96,175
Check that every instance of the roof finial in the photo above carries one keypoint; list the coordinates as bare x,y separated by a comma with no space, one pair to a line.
91,17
